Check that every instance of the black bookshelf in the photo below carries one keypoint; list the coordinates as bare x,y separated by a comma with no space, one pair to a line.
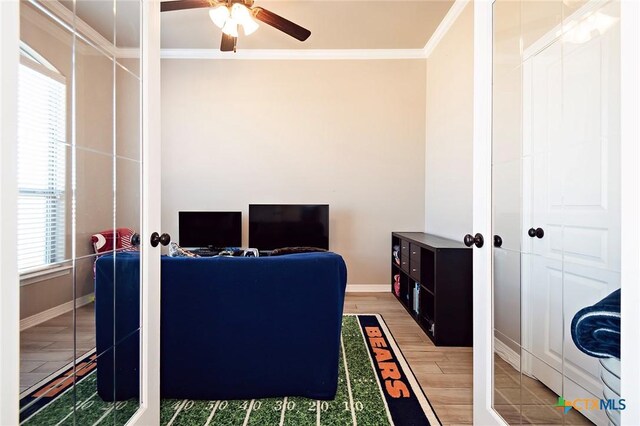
442,272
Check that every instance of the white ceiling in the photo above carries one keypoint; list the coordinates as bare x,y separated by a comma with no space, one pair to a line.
334,24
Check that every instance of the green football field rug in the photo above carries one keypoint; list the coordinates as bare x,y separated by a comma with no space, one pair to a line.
375,387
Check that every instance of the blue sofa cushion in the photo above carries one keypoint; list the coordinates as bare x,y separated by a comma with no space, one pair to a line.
242,328
237,328
118,330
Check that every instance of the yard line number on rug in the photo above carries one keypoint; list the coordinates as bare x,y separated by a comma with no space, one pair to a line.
372,370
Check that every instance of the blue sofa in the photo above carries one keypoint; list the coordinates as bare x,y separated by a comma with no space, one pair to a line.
231,328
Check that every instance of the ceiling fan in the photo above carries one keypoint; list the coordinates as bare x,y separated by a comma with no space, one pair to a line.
229,14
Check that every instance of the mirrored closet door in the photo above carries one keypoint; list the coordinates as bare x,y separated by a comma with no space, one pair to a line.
556,211
79,211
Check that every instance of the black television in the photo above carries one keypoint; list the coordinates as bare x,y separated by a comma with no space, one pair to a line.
210,229
273,226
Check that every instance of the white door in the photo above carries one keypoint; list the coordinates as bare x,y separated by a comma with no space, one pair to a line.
483,413
590,257
9,286
147,412
571,192
541,275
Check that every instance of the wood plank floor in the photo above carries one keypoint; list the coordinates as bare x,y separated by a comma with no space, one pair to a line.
47,347
520,399
445,374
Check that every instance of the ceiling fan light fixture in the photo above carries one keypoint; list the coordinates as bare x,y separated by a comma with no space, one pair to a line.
241,14
229,14
239,11
219,15
230,27
250,26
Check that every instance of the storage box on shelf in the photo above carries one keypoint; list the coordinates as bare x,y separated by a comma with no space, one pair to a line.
432,278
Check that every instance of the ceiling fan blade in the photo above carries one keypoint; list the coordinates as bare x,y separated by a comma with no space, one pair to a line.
167,6
228,43
282,24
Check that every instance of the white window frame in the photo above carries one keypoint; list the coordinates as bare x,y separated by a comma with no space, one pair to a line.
53,267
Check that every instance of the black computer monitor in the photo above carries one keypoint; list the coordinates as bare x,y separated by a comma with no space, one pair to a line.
273,226
210,229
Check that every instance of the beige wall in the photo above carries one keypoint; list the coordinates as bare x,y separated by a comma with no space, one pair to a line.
449,129
47,294
347,133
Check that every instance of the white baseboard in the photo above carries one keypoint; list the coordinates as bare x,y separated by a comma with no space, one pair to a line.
368,288
43,316
506,353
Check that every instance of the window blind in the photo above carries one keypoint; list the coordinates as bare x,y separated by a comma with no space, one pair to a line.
41,166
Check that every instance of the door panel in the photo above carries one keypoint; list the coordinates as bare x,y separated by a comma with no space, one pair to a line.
584,286
52,300
96,331
506,210
543,335
129,214
569,182
506,267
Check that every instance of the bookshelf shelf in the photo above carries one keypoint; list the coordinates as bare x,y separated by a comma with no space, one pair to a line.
434,284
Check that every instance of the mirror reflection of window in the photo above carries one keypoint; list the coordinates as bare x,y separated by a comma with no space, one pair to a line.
41,162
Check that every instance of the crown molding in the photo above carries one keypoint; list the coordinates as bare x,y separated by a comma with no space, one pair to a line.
447,22
295,54
65,17
562,28
81,27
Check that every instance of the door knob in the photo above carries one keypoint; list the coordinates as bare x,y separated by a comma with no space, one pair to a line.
497,241
163,239
533,232
135,239
470,240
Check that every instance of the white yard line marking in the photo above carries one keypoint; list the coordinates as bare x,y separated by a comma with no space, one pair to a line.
73,411
177,412
213,412
284,408
103,416
346,373
246,419
318,413
375,374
